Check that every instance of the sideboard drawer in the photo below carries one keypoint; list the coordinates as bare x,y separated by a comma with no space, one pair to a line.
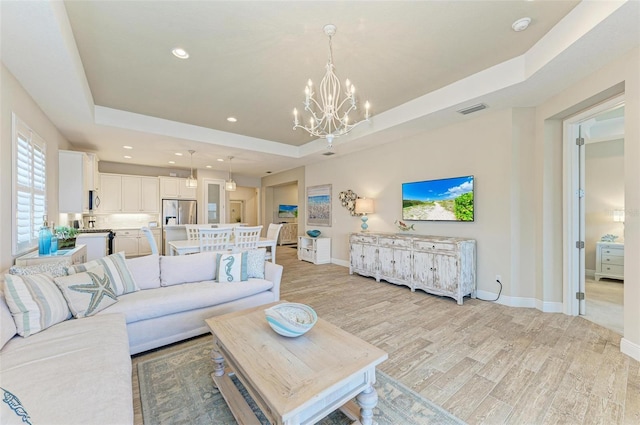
617,252
368,239
612,269
393,242
433,246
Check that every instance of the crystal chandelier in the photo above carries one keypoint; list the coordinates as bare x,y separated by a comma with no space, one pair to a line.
230,185
191,181
330,114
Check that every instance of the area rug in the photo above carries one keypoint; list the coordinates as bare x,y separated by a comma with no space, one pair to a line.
176,388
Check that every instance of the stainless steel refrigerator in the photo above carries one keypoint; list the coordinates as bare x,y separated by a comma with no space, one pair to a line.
175,211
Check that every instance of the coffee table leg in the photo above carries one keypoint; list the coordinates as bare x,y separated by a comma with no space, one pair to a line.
367,399
217,358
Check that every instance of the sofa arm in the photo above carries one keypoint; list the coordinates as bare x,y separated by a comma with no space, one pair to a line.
273,273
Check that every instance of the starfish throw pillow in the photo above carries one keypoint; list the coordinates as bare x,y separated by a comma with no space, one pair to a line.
88,292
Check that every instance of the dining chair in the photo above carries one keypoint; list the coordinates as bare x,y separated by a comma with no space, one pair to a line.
193,230
246,237
272,233
151,239
214,239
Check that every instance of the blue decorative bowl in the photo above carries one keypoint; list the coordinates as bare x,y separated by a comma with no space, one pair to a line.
313,233
291,319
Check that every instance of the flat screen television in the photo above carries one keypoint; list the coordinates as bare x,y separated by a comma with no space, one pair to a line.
438,200
287,211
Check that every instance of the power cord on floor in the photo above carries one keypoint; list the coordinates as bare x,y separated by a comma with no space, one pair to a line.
499,292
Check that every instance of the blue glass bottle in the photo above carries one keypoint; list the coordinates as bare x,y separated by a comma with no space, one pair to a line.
54,239
44,239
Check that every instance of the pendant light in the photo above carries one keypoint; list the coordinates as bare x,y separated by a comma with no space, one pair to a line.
191,181
230,185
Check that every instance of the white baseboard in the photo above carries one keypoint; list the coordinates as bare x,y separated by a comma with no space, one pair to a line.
630,349
544,306
591,274
342,263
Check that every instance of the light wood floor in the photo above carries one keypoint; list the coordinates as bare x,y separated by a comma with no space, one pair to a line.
484,362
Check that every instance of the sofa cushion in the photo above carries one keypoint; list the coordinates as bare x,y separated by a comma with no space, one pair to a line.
255,262
7,325
88,292
179,269
116,267
56,269
35,302
231,267
145,271
77,372
151,303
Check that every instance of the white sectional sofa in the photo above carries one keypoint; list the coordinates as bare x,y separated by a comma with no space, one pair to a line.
79,370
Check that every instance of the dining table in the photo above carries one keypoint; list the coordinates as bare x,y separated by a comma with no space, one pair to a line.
188,246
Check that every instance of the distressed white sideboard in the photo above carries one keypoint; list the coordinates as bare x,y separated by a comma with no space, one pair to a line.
438,265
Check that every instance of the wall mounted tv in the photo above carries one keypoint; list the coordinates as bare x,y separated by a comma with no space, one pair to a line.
438,200
287,211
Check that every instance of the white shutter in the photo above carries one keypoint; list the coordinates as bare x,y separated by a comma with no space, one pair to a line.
29,186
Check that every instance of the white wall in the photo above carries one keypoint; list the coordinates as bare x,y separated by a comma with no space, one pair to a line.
249,197
13,98
604,188
284,195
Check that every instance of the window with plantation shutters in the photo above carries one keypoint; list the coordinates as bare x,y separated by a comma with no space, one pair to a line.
29,186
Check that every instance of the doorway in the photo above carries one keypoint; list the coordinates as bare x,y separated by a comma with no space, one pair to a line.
236,211
594,199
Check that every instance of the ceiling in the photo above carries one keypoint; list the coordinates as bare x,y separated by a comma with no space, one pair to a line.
104,73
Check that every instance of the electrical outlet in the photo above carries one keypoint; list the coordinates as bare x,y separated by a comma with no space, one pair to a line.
499,278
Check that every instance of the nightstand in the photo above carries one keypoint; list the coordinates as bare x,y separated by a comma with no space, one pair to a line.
609,260
314,250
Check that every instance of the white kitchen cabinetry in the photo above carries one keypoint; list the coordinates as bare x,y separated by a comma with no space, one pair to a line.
110,194
609,260
314,250
435,264
176,188
288,233
128,194
76,177
134,243
140,194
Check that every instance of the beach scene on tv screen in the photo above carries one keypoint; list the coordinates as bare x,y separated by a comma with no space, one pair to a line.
440,200
288,211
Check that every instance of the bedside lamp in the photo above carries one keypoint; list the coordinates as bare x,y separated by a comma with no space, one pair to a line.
364,206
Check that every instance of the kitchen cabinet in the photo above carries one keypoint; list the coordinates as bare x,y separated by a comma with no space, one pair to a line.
128,194
609,260
314,250
438,265
288,233
76,177
134,243
176,188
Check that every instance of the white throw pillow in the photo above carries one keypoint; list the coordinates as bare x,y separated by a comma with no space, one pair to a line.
178,269
232,267
255,262
35,302
145,271
115,267
88,292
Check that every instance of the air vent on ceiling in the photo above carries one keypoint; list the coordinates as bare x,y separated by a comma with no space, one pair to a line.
472,109
328,153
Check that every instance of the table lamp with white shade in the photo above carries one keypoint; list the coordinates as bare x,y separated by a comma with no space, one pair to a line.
364,206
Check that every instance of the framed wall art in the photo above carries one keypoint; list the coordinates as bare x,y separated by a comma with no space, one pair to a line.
319,205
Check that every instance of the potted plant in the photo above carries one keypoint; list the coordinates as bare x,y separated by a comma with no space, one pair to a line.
66,236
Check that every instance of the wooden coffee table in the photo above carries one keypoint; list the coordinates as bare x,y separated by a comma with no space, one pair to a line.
293,380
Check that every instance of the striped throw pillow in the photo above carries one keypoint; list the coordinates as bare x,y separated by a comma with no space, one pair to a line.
115,267
35,302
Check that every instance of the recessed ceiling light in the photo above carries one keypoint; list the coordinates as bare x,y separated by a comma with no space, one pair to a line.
180,53
208,166
127,157
178,153
232,119
220,160
128,147
521,24
172,162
